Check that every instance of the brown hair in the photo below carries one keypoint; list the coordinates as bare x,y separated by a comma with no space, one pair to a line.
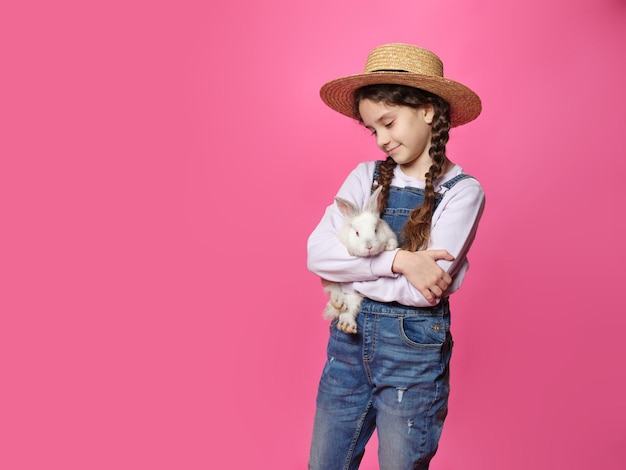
416,231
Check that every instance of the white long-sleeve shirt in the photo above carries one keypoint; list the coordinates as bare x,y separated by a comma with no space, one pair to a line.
454,226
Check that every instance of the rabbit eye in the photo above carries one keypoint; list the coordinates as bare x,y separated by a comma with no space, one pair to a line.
357,233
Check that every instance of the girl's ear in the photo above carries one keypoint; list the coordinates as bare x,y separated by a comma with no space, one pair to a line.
429,113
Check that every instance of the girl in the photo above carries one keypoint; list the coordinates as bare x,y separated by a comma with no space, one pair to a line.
393,374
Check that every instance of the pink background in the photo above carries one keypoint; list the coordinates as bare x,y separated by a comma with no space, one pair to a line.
163,162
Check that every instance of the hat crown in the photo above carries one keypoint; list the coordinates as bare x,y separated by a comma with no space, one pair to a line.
405,65
404,58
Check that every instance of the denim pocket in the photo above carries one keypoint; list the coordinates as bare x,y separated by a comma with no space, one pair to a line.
423,332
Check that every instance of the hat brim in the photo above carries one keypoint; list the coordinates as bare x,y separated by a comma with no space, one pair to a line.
465,105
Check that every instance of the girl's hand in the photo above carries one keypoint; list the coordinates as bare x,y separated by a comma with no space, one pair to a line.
422,271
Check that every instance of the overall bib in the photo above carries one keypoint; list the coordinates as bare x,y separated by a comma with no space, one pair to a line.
392,375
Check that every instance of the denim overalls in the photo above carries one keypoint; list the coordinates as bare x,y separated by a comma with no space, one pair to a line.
392,375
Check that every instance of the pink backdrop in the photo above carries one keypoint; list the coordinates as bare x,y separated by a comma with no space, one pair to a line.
163,162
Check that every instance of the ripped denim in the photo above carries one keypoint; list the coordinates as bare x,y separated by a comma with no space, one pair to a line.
393,376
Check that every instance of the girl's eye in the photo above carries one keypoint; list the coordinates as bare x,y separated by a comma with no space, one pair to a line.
389,124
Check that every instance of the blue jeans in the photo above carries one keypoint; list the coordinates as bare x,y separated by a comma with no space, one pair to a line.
394,376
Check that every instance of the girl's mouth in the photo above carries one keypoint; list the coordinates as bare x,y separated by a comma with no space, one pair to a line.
390,151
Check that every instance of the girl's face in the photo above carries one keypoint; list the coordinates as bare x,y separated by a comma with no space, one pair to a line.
401,132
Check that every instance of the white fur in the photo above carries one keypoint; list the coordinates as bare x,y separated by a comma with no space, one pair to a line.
364,234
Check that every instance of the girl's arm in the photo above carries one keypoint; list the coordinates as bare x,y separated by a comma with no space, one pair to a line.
421,271
454,228
327,257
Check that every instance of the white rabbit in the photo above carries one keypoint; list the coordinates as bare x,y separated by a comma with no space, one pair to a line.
364,234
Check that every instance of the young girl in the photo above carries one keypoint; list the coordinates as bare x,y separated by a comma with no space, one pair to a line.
393,374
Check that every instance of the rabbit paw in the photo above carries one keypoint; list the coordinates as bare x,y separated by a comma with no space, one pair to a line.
347,323
391,245
330,312
337,301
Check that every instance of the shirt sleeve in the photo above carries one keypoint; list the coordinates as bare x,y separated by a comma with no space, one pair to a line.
327,257
454,228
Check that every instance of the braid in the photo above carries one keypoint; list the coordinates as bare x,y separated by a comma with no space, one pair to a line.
416,231
385,175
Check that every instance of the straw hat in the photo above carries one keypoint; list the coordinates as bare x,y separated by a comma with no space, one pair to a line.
404,64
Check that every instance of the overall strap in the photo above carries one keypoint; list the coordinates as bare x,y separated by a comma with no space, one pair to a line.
376,173
445,187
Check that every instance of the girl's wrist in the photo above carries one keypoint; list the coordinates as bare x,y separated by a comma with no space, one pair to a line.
398,262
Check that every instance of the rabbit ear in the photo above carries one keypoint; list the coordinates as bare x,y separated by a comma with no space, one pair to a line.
373,203
347,208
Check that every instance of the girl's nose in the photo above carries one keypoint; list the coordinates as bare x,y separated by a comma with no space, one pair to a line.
382,139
